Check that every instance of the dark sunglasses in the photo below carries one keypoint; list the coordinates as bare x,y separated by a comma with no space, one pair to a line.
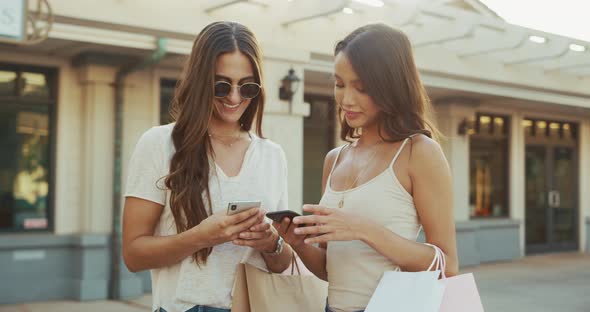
248,90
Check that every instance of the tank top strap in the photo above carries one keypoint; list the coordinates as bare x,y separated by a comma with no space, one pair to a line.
399,150
334,164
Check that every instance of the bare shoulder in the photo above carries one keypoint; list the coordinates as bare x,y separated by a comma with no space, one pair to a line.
426,154
328,163
421,144
331,156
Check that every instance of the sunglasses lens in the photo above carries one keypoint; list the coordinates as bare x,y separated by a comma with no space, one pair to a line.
222,89
249,90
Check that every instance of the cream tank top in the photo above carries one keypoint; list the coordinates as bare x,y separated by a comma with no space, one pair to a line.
354,268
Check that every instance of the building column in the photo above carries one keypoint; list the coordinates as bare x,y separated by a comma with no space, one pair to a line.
97,146
450,114
97,133
584,204
516,176
282,125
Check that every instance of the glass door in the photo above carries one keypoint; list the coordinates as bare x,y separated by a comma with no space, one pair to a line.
551,173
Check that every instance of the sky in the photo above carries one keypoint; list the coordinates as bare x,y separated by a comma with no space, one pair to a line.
570,18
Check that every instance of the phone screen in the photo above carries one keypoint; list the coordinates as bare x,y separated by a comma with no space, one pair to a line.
278,216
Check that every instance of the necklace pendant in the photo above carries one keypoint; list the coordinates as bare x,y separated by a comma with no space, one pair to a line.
341,203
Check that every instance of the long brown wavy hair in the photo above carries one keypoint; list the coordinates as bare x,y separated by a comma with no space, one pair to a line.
192,109
382,58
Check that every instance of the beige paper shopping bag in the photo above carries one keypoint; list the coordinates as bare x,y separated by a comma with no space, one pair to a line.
259,291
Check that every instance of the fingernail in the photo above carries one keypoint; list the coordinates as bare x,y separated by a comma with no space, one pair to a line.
306,241
297,231
252,229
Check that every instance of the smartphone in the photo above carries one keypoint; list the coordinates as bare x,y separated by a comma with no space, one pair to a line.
278,216
238,206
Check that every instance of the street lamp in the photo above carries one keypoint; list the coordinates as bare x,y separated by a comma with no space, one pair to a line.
289,85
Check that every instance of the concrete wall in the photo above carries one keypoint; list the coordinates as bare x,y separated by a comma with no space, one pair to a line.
50,267
484,241
38,267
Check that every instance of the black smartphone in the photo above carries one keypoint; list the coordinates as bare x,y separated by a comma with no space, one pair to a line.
278,216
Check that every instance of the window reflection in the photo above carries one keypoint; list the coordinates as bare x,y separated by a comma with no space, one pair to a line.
25,136
31,185
166,95
34,85
489,166
7,83
545,129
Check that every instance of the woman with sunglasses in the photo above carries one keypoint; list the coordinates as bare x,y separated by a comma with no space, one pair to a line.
390,181
182,176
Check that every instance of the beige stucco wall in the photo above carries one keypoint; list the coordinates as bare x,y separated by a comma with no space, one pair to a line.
84,159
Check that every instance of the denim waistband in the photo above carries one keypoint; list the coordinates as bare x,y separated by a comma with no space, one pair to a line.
199,309
329,310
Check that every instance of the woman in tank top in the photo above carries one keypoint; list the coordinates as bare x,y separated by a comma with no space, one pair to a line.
388,182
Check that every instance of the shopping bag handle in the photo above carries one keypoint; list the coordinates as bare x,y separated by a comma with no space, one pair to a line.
294,265
439,262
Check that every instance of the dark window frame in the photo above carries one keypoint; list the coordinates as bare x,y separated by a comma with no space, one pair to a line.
503,136
18,100
168,83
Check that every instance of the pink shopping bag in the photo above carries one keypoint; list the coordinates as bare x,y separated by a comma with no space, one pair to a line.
461,294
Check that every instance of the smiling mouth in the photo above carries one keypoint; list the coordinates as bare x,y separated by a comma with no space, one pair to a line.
231,106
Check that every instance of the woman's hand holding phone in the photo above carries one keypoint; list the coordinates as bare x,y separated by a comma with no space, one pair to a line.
260,237
220,228
328,224
286,229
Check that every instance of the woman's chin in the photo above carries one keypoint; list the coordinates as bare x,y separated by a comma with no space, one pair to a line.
230,114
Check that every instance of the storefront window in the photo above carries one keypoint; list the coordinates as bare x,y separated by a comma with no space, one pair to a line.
25,142
166,96
34,85
488,192
543,129
7,82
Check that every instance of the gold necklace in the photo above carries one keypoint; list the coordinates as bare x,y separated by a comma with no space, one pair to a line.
233,139
341,202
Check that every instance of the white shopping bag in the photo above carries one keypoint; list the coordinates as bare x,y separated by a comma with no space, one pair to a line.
410,291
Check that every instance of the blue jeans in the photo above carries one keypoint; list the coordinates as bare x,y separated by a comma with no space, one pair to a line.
328,309
200,309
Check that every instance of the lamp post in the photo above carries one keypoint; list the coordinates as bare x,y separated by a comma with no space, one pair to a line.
289,85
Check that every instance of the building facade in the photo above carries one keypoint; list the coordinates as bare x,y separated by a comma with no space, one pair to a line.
515,113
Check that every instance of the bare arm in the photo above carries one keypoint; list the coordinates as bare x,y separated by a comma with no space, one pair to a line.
432,193
142,250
